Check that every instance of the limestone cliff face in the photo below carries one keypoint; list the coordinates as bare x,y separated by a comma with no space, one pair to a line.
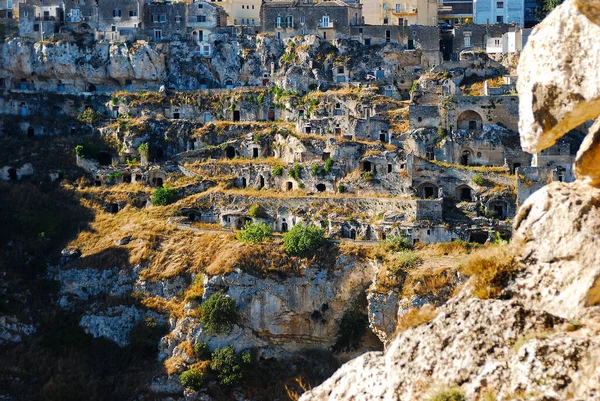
98,64
280,316
541,341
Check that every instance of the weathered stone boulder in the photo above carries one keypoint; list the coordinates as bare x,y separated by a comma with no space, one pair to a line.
559,78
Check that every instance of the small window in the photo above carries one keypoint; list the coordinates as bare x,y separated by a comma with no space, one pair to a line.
178,19
499,4
163,18
499,19
289,21
278,22
116,13
385,21
133,13
467,41
157,34
154,17
200,18
200,6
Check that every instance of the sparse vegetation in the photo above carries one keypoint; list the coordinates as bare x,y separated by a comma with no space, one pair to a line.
277,170
219,314
491,271
396,243
448,394
295,172
254,233
201,350
353,326
328,165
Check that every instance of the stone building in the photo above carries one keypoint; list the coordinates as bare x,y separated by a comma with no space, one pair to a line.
201,19
407,12
164,21
118,19
499,12
329,19
241,12
456,11
7,9
477,37
40,21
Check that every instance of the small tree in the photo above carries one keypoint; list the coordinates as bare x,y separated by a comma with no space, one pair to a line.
79,150
352,328
192,379
144,151
478,179
341,188
277,170
201,351
328,165
254,233
88,116
163,196
296,172
315,170
219,314
303,239
230,367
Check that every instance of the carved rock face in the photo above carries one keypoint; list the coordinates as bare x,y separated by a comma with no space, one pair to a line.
559,78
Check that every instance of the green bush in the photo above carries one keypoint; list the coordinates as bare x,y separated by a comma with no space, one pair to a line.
478,179
315,170
406,260
163,196
144,150
257,211
192,379
254,233
303,239
88,116
352,328
219,314
79,150
277,170
201,351
341,188
396,243
114,176
296,172
367,176
328,165
230,367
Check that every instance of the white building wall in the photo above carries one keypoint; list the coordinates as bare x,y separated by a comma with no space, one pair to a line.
489,11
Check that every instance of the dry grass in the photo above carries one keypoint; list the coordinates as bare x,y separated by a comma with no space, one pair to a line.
491,270
175,365
299,387
416,317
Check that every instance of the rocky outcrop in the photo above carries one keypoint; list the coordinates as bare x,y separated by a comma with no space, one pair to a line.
13,331
559,75
541,341
280,316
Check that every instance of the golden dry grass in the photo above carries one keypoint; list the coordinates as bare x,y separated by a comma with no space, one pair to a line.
416,317
491,270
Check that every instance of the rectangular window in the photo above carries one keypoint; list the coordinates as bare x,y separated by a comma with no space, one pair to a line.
116,13
157,34
302,20
113,28
133,13
289,21
163,18
499,4
9,4
154,17
278,22
467,41
200,18
36,28
200,6
325,21
398,8
499,19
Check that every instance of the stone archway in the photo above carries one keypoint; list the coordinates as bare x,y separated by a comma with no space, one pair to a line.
427,190
469,120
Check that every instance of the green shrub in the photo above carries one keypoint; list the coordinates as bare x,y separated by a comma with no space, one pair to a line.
315,170
277,170
352,328
163,196
303,239
478,179
367,176
79,150
256,211
254,233
230,367
219,314
396,243
301,185
341,188
296,172
201,351
328,165
144,150
88,116
192,379
114,176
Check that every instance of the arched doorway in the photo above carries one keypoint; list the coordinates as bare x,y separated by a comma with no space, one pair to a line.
230,152
289,185
261,182
427,191
465,157
352,234
464,193
284,227
104,158
498,209
469,120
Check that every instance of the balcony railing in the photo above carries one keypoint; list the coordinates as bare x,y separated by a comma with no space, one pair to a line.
325,25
